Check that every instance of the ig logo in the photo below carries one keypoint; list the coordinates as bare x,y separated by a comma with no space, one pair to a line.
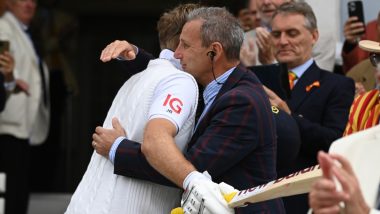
175,104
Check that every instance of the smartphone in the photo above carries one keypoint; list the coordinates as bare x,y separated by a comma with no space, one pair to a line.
4,46
355,8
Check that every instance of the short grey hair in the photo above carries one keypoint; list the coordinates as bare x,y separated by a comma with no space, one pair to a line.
219,26
301,8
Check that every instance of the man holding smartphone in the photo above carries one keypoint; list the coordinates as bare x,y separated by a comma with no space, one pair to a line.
354,31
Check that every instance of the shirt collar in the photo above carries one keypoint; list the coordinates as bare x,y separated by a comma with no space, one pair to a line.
213,88
300,70
169,55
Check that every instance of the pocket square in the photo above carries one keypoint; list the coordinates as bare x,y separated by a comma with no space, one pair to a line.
314,84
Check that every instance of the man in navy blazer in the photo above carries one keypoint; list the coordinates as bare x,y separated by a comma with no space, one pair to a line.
320,100
234,139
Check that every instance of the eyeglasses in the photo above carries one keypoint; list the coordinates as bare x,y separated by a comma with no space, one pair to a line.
375,59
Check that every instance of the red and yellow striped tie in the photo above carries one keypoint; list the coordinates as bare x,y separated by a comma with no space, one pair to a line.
292,77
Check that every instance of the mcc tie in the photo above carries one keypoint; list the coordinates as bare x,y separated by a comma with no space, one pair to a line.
292,77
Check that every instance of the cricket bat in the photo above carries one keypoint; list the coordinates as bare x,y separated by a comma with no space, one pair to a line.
293,184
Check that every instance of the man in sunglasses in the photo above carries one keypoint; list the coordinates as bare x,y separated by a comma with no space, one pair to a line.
365,110
375,61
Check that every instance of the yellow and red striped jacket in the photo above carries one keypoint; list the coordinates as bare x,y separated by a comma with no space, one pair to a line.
364,112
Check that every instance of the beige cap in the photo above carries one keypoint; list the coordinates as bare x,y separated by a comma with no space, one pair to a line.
370,46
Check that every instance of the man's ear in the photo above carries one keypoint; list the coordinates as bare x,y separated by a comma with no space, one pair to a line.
217,49
315,35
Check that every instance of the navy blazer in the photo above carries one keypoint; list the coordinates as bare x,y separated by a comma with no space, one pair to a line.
321,114
235,142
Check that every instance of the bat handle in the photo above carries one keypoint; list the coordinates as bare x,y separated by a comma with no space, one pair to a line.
229,196
177,210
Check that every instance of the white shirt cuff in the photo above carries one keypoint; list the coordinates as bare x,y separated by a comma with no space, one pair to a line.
10,86
114,146
121,58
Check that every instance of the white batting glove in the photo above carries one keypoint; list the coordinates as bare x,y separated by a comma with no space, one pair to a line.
204,196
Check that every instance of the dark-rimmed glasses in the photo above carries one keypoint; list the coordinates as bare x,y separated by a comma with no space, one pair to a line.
374,58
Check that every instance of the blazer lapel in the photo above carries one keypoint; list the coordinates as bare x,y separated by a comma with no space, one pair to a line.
299,92
231,81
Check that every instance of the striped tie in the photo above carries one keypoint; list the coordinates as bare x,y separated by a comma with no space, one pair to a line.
292,77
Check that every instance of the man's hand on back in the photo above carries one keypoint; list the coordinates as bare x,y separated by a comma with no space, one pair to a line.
118,49
103,138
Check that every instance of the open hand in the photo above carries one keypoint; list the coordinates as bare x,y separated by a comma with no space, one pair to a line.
122,49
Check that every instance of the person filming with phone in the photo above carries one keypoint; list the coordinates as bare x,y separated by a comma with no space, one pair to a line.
355,30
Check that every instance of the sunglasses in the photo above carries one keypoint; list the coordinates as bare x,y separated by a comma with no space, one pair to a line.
375,59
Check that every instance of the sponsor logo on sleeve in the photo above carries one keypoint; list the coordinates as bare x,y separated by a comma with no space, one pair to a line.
174,104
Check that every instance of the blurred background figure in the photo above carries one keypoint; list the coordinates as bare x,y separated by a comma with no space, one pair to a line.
245,11
25,119
365,110
56,34
355,59
355,31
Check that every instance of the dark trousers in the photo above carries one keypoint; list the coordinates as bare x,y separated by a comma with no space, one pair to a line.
14,161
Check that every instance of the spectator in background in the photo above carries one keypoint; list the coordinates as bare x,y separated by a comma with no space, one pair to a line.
25,119
8,83
7,80
365,110
353,32
252,7
320,100
246,12
240,9
323,51
362,72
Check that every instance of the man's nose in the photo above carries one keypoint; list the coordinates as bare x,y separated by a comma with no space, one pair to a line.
283,39
177,53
